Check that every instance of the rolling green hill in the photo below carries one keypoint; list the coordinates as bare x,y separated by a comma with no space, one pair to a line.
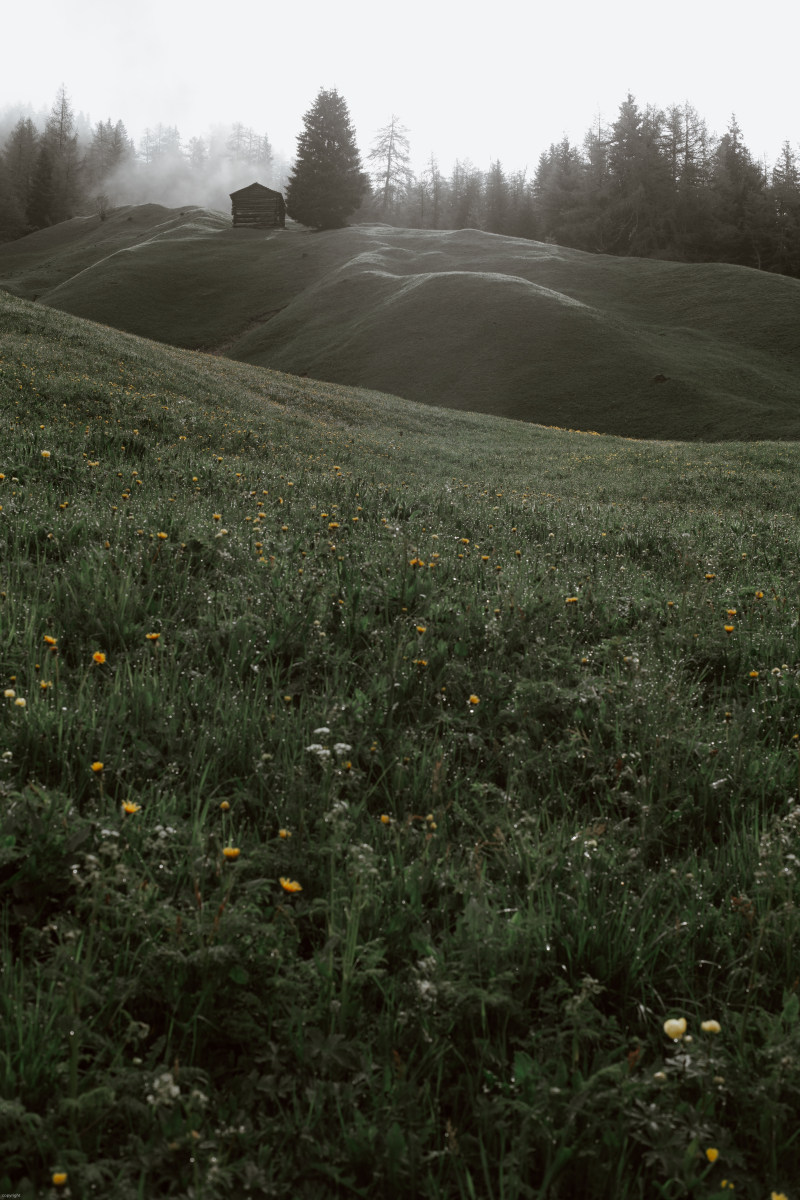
459,319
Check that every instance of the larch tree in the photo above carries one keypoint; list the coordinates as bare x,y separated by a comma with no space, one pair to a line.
327,183
391,172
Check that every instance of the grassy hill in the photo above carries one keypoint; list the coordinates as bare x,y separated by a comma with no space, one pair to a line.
459,319
376,782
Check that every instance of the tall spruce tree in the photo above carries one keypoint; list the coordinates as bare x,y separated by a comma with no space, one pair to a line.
327,182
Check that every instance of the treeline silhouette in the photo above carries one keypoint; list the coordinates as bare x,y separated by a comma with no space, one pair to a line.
653,183
60,167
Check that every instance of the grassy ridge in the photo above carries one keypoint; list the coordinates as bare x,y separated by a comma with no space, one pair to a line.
460,319
517,709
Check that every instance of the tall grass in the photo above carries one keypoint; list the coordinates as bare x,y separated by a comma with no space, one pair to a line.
498,726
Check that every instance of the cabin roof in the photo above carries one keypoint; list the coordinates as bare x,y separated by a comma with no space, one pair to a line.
253,189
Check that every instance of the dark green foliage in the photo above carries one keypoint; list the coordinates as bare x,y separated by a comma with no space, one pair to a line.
327,183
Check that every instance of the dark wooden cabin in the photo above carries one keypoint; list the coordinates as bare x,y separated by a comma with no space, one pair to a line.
258,207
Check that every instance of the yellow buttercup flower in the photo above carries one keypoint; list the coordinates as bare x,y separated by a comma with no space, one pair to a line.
474,699
289,885
59,1178
231,852
712,1155
675,1027
97,767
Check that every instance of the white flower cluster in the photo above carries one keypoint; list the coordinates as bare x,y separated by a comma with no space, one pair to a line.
165,1091
323,754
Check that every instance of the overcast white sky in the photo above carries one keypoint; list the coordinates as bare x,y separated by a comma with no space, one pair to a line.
499,79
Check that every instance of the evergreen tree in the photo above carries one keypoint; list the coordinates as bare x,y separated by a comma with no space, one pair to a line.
740,205
19,164
327,183
41,204
496,200
785,196
561,198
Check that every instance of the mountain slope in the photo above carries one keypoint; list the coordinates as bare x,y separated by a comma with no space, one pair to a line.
461,319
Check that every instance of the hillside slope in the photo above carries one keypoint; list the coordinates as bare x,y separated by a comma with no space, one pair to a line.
461,319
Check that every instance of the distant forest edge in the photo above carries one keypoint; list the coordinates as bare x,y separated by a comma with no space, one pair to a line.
655,183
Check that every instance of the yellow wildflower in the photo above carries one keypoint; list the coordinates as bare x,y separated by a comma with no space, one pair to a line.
231,852
129,808
97,767
99,657
710,1026
712,1155
675,1027
289,885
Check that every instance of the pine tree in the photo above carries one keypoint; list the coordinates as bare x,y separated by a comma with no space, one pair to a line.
327,183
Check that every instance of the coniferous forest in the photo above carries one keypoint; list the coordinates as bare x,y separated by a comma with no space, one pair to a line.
651,183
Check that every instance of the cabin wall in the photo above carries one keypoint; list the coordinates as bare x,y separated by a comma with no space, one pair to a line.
258,213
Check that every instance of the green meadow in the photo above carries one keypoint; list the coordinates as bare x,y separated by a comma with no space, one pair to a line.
376,781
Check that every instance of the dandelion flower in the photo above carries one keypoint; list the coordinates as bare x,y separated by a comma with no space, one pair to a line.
760,596
572,600
754,674
284,833
675,1028
44,684
421,628
710,576
162,536
97,767
225,805
712,1155
474,699
9,693
152,637
289,885
129,808
216,516
20,703
386,819
728,628
45,454
710,1026
50,641
59,1178
231,852
99,657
